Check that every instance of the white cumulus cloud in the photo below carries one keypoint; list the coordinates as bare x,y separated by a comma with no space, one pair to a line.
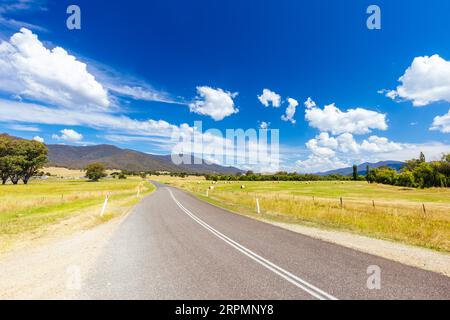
290,111
356,121
39,139
269,97
68,135
328,152
216,103
427,80
29,69
441,123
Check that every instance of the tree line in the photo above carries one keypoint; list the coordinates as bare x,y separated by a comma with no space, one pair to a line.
20,159
279,176
417,173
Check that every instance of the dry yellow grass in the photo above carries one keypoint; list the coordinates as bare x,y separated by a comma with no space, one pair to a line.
404,220
30,211
68,173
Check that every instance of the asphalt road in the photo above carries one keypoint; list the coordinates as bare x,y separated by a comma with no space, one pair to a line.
174,246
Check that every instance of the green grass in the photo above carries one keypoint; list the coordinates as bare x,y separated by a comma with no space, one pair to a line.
32,210
397,215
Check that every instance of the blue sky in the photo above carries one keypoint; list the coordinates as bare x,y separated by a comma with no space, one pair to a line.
176,62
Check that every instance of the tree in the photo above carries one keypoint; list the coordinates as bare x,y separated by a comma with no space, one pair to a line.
405,179
11,160
446,158
422,158
95,171
33,157
426,176
384,175
355,172
5,150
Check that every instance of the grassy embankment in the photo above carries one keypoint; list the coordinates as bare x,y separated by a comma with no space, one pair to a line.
60,206
379,211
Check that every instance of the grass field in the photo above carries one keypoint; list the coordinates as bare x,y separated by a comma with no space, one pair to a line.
68,173
412,216
28,212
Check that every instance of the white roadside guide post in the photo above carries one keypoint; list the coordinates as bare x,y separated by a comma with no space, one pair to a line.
104,206
138,191
207,193
257,206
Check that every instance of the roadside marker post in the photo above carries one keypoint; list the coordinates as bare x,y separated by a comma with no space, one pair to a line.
104,206
207,193
257,206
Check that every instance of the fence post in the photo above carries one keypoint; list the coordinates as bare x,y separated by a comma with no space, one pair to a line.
424,209
257,206
104,206
373,203
342,202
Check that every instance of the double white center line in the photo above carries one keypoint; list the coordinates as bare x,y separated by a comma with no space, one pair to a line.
300,283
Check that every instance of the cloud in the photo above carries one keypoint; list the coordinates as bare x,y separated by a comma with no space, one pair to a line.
19,112
20,7
264,125
315,164
68,135
290,111
269,97
18,127
29,69
13,24
39,139
309,103
14,6
328,152
441,123
216,103
141,92
355,121
427,80
377,144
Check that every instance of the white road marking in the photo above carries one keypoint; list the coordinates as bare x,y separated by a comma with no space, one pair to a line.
302,284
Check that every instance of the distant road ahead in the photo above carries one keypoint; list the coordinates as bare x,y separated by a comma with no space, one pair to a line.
174,246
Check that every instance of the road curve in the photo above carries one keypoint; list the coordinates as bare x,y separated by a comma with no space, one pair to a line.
174,246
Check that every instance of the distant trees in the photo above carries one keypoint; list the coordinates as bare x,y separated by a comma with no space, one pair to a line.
417,173
20,159
95,171
279,176
355,172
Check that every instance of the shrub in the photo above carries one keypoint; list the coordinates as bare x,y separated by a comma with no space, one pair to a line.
95,171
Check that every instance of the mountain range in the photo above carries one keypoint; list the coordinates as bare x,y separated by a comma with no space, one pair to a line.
77,157
362,168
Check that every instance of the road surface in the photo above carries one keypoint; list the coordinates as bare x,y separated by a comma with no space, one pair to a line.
174,246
